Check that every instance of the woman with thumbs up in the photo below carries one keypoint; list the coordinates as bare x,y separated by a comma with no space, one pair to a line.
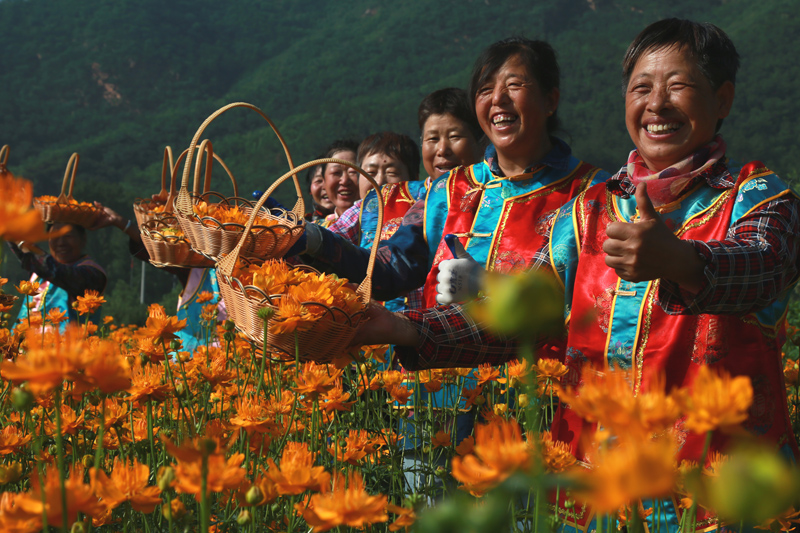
681,260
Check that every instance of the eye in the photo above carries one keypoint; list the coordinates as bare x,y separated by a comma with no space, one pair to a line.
486,90
432,140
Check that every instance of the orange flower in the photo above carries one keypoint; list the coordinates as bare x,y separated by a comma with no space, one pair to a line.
291,316
11,440
336,400
405,517
19,221
297,473
400,394
127,483
357,446
556,455
499,452
790,373
471,396
160,326
441,439
717,401
347,504
487,373
205,296
316,379
467,445
80,498
633,470
222,474
147,384
27,288
251,416
89,302
56,316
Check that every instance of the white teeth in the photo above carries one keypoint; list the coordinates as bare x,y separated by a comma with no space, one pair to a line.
662,128
501,119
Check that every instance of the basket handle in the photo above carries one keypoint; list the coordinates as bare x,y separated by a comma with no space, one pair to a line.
166,166
169,206
4,151
207,148
69,176
183,202
226,264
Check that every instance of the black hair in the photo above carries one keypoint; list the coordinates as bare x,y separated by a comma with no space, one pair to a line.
711,48
449,101
339,145
539,58
397,145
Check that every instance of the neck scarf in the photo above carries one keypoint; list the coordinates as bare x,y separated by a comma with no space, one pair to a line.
667,185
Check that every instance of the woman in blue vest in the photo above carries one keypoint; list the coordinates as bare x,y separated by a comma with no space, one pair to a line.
63,274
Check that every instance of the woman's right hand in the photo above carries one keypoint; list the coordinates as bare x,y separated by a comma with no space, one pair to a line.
381,326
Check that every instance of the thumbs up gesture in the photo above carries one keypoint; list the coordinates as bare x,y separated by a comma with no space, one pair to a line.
459,279
647,249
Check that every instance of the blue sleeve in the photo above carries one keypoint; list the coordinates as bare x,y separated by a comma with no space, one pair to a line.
401,264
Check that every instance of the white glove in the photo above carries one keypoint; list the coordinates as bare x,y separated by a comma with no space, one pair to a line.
459,279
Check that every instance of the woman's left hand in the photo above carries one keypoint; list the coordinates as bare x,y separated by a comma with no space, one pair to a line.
648,250
384,327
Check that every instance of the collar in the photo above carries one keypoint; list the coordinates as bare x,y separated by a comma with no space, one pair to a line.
558,158
717,177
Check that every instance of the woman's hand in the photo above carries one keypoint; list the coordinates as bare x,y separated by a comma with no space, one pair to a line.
108,217
381,326
647,249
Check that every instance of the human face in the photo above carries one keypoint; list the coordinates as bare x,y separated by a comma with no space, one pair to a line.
317,190
447,143
66,248
512,110
341,182
384,169
671,109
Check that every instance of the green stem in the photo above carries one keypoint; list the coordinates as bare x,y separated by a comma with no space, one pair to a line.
98,454
204,495
60,459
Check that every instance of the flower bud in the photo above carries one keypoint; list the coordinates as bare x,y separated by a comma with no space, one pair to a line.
166,476
254,496
87,461
174,510
229,325
78,527
180,389
480,400
265,313
22,399
513,382
229,336
175,345
244,518
208,446
523,400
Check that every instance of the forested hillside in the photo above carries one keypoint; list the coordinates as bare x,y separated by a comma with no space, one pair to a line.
117,81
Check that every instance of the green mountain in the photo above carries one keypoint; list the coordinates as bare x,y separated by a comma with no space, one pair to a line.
117,81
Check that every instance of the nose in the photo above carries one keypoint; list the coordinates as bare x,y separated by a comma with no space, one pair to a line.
658,99
443,147
499,93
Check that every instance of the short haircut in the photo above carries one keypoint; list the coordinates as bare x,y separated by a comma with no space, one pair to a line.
339,145
397,145
711,48
80,231
449,101
539,58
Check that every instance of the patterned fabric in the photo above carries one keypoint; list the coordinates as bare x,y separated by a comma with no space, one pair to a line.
406,258
665,186
751,267
348,225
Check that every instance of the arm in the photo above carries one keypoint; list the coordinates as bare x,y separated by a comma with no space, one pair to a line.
400,266
748,270
442,337
76,280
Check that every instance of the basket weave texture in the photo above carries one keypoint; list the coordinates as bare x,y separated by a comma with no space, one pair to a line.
147,209
167,246
64,209
330,335
215,238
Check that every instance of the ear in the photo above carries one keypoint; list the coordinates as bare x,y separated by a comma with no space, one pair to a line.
725,95
552,100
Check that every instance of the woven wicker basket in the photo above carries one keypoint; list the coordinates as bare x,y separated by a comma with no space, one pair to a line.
215,239
65,209
331,335
146,209
158,234
4,151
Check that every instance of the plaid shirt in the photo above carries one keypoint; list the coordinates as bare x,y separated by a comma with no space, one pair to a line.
349,224
744,273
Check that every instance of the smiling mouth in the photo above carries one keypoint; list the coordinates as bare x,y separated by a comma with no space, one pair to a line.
503,120
663,128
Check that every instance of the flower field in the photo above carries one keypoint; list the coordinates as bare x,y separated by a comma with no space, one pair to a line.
110,427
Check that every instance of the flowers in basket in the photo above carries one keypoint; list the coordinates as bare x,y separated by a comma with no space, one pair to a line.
304,296
230,214
70,201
